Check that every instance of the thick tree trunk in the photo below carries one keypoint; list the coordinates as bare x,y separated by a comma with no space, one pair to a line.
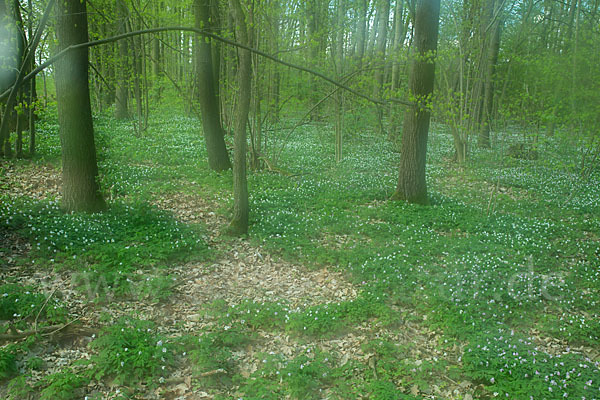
239,222
11,54
80,189
218,159
412,185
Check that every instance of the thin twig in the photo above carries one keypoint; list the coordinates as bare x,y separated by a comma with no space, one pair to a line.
62,327
42,309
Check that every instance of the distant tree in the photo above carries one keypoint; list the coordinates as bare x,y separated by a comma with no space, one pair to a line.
80,189
218,159
412,185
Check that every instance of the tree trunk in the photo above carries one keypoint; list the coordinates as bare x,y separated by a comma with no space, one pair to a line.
412,186
136,50
399,35
488,90
218,159
80,189
122,93
371,33
383,13
239,222
11,55
275,80
361,31
339,61
19,129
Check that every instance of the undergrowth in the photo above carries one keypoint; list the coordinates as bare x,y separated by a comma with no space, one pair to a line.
505,255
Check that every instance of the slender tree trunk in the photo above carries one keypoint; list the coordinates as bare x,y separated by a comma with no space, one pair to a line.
383,13
32,88
214,24
315,44
122,93
399,35
339,59
31,116
488,96
80,189
372,33
412,185
20,117
239,222
276,76
218,158
361,31
156,67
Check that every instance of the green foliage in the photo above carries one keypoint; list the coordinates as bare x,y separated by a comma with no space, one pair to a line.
8,362
136,232
21,304
156,288
213,351
105,248
64,385
385,390
132,351
19,389
320,320
514,367
508,243
302,377
256,315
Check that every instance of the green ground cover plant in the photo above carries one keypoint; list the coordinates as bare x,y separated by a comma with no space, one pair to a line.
504,256
104,249
132,351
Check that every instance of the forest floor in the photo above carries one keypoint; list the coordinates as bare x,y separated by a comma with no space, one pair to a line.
241,271
336,292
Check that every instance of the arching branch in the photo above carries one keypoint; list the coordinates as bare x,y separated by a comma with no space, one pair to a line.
112,39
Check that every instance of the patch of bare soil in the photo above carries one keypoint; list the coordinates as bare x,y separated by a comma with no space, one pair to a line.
241,271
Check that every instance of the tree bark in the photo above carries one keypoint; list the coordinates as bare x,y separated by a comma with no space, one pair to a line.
412,185
239,222
218,158
80,189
